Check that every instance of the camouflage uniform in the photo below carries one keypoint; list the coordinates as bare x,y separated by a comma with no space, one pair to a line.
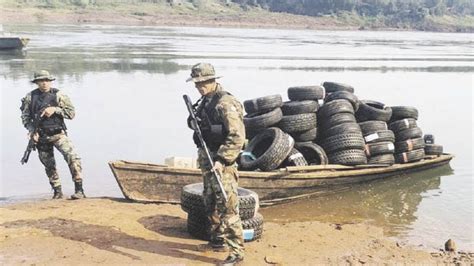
59,140
224,216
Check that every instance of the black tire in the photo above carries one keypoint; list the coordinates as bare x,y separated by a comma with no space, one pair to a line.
313,153
263,104
301,93
380,136
345,95
399,125
303,136
192,200
402,112
336,119
295,158
409,145
257,122
267,150
335,107
298,123
433,149
370,127
299,107
343,142
372,110
348,157
410,156
345,128
336,86
410,133
198,226
388,159
374,149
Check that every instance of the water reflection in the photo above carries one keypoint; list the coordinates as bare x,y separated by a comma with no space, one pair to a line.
391,203
77,63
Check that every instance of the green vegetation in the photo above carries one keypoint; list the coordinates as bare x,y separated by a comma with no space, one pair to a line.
435,15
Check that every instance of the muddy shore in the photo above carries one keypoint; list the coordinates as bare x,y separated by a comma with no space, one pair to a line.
238,20
112,231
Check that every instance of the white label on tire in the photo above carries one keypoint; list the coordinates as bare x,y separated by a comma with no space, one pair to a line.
390,146
295,156
407,124
371,137
248,234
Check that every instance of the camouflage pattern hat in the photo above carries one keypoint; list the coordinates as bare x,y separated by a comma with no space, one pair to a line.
42,75
202,72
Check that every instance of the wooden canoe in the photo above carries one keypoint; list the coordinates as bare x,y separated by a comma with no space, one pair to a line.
145,182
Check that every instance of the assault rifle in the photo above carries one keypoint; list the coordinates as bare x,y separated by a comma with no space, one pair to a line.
195,126
31,143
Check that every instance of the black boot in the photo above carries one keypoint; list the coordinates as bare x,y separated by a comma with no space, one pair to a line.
58,193
79,192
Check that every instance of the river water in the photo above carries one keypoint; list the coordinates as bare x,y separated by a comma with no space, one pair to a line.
127,83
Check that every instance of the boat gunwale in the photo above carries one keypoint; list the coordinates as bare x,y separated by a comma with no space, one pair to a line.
323,172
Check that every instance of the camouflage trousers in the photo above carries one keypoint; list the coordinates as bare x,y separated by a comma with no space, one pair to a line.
46,155
224,217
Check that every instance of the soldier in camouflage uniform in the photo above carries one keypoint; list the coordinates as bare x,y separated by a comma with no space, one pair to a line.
221,121
51,106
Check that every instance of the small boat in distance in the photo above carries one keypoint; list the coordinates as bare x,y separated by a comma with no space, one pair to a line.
8,42
143,182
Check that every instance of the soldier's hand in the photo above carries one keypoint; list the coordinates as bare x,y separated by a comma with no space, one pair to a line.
35,136
48,111
218,167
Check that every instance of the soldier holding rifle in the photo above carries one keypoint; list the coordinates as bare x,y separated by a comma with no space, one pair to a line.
43,111
220,120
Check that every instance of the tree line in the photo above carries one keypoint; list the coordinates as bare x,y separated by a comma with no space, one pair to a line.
407,9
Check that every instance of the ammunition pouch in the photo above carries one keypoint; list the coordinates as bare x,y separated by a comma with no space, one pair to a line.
48,132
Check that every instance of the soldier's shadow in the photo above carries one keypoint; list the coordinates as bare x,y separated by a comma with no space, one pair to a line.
108,238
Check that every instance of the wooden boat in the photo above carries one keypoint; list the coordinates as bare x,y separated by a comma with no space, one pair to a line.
145,182
13,43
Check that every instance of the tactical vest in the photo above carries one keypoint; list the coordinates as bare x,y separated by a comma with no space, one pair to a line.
39,102
212,127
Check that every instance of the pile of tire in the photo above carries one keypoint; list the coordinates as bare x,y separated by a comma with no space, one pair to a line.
409,145
198,224
379,140
340,135
281,133
430,147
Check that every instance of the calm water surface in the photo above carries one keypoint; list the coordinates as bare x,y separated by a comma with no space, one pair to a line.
127,82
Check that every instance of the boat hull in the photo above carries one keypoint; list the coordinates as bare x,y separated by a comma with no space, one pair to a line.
158,183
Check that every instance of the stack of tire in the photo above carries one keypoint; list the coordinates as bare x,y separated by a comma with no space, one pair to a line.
300,121
409,145
379,140
430,147
340,135
262,113
198,224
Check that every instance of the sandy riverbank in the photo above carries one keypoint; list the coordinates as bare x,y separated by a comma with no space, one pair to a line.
114,231
258,19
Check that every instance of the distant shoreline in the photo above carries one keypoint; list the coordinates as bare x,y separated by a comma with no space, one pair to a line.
261,19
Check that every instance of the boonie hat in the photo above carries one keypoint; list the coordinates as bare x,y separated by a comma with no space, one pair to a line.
202,72
42,75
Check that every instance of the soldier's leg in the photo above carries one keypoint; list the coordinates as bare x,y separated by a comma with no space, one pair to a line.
210,208
230,219
64,145
46,156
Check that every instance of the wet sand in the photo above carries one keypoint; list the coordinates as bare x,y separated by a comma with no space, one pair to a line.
113,231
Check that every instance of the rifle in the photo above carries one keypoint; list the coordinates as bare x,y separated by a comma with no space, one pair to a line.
195,125
31,143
